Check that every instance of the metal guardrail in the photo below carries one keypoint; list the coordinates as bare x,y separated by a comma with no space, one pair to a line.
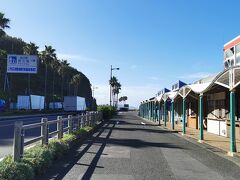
73,123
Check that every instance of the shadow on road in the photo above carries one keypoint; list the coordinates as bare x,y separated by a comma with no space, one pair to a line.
62,167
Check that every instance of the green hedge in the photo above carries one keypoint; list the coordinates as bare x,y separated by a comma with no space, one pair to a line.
39,158
108,111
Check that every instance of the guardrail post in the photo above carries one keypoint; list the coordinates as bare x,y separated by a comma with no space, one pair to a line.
94,118
78,121
90,119
86,119
44,131
101,116
18,140
82,120
60,127
70,124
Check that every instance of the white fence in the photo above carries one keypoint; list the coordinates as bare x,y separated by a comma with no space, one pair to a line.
73,123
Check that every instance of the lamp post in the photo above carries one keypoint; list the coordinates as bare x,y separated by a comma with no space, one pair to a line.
110,84
93,88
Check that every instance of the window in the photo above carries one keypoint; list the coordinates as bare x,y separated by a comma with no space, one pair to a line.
229,53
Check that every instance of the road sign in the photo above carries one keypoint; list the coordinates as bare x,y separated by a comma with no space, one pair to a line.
22,64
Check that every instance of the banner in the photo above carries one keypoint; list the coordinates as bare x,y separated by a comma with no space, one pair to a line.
22,64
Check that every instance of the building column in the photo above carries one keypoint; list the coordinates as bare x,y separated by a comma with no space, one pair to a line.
172,109
184,116
148,108
153,111
159,112
151,105
150,111
144,110
201,117
232,123
165,113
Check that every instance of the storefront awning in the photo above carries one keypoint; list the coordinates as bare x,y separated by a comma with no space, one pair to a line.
159,98
196,88
169,95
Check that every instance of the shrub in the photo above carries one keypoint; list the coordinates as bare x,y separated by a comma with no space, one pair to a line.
68,138
58,148
39,157
108,111
82,130
15,170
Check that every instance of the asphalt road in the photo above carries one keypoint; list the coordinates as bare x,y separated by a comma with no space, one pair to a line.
126,149
7,132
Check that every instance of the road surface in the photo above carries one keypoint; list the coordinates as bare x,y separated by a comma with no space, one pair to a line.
126,149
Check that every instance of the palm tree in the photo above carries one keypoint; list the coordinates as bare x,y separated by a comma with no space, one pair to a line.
3,24
116,91
30,49
76,79
55,66
112,83
47,56
124,98
62,70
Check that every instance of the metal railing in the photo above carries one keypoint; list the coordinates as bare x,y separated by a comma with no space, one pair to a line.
73,124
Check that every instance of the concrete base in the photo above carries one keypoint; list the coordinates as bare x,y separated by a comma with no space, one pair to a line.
232,154
200,141
183,134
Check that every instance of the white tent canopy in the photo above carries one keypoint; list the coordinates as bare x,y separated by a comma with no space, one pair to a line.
196,88
159,98
171,95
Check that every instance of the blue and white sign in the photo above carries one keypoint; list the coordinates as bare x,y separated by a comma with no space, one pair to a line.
22,64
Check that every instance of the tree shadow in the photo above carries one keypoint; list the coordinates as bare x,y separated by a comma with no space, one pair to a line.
136,143
160,131
62,167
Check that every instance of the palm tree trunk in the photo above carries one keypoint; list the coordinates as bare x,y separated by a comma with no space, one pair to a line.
62,87
53,84
117,100
45,88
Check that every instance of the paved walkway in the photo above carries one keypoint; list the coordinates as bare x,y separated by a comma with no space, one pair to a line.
214,140
126,148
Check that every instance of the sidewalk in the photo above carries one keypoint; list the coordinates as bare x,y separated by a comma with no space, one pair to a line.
214,140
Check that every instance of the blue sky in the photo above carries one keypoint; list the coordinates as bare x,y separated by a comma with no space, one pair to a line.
155,42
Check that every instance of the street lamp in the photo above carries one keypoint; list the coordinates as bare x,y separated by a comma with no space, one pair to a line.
110,84
93,88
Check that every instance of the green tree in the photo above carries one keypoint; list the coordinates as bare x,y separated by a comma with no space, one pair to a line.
30,49
55,66
4,23
76,80
116,90
47,56
62,70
